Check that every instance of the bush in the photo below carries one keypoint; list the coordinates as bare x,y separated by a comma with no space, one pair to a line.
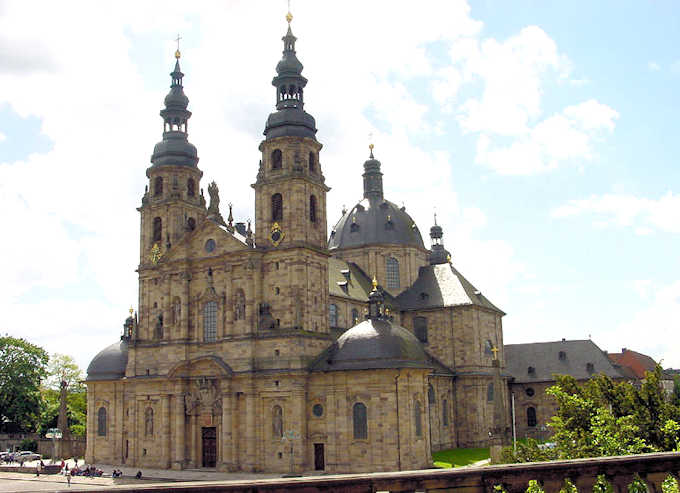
28,444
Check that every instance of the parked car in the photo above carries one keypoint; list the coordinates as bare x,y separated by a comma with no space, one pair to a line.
26,455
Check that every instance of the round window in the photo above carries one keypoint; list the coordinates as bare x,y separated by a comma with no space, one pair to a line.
210,245
317,410
530,392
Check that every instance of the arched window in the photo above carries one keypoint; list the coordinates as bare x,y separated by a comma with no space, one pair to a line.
157,230
430,394
420,328
148,422
191,187
210,321
333,315
239,305
176,311
488,348
277,422
489,393
360,418
312,163
277,159
392,272
531,417
355,316
277,207
417,418
191,222
158,186
312,208
101,422
445,412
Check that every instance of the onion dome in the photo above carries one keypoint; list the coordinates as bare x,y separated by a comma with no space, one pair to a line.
175,148
110,363
289,119
374,343
374,220
438,254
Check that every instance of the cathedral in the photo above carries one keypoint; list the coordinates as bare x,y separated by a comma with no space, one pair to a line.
277,347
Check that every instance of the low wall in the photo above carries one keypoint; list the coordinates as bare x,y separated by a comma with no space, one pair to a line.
72,447
514,478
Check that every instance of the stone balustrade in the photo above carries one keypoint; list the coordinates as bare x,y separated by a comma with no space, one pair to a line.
583,473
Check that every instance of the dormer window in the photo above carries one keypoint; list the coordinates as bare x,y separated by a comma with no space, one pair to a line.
354,226
531,371
590,368
346,274
343,285
562,356
424,296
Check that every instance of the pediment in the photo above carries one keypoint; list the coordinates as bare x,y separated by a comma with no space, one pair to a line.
208,240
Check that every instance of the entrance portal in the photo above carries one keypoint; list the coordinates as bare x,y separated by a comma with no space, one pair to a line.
209,438
319,461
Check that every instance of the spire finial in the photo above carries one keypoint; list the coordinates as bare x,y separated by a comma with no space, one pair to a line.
289,16
131,310
435,218
177,53
375,283
370,143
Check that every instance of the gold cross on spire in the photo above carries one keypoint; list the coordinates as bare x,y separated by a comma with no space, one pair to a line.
289,16
495,350
131,310
177,53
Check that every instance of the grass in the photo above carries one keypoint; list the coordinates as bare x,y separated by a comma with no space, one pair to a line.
459,457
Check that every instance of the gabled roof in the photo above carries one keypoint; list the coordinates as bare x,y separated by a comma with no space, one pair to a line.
442,286
546,360
636,363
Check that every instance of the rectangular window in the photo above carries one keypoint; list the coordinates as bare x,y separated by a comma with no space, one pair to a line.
420,328
210,321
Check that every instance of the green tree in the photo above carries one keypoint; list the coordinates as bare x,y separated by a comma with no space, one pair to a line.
63,367
22,367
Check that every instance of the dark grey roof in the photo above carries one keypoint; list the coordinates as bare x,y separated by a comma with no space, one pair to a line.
347,280
374,344
544,358
439,286
372,222
110,363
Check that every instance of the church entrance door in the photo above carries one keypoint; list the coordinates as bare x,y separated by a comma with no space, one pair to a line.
209,437
319,461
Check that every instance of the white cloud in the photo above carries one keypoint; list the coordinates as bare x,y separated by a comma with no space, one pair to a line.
653,66
3,137
564,137
643,215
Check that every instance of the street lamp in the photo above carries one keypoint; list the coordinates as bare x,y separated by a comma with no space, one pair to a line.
55,434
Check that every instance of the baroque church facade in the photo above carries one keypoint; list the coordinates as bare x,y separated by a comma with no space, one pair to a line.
281,349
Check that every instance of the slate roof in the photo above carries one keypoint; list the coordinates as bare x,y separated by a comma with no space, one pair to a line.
635,363
110,363
376,344
439,286
544,358
348,274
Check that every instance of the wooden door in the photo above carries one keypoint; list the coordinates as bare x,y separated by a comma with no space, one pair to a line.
209,438
319,460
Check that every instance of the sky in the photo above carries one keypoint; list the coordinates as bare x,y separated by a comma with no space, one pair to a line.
542,133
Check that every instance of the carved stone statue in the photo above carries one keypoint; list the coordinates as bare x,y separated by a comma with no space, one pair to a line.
203,398
214,207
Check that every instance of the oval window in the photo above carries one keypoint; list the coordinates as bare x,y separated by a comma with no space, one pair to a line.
210,245
317,410
530,392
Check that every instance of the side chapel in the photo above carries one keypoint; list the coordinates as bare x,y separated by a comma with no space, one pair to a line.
364,351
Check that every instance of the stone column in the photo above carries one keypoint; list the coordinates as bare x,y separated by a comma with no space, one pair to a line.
165,433
180,432
250,430
227,460
91,431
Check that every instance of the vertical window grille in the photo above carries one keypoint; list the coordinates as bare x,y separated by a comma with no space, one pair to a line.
158,186
157,229
101,422
445,412
277,159
333,315
360,418
277,207
420,328
191,187
531,417
489,393
277,422
392,273
312,162
210,321
417,417
312,208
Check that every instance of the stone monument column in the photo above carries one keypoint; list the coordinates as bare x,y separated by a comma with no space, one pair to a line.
180,432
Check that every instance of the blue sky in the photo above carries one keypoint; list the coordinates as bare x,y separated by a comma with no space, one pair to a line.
544,134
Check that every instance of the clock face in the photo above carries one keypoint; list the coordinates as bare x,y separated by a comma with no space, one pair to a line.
276,236
210,245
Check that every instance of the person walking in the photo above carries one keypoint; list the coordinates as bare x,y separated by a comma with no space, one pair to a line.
68,477
37,469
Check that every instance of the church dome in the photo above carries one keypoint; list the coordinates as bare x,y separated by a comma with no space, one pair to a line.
374,344
110,363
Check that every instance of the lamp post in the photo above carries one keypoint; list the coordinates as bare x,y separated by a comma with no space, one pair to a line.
55,434
289,436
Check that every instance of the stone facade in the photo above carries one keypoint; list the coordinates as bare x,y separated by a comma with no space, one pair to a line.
228,361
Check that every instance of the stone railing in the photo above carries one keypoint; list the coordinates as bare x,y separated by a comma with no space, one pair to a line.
550,476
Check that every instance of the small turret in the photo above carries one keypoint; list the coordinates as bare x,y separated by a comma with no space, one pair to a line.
438,254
